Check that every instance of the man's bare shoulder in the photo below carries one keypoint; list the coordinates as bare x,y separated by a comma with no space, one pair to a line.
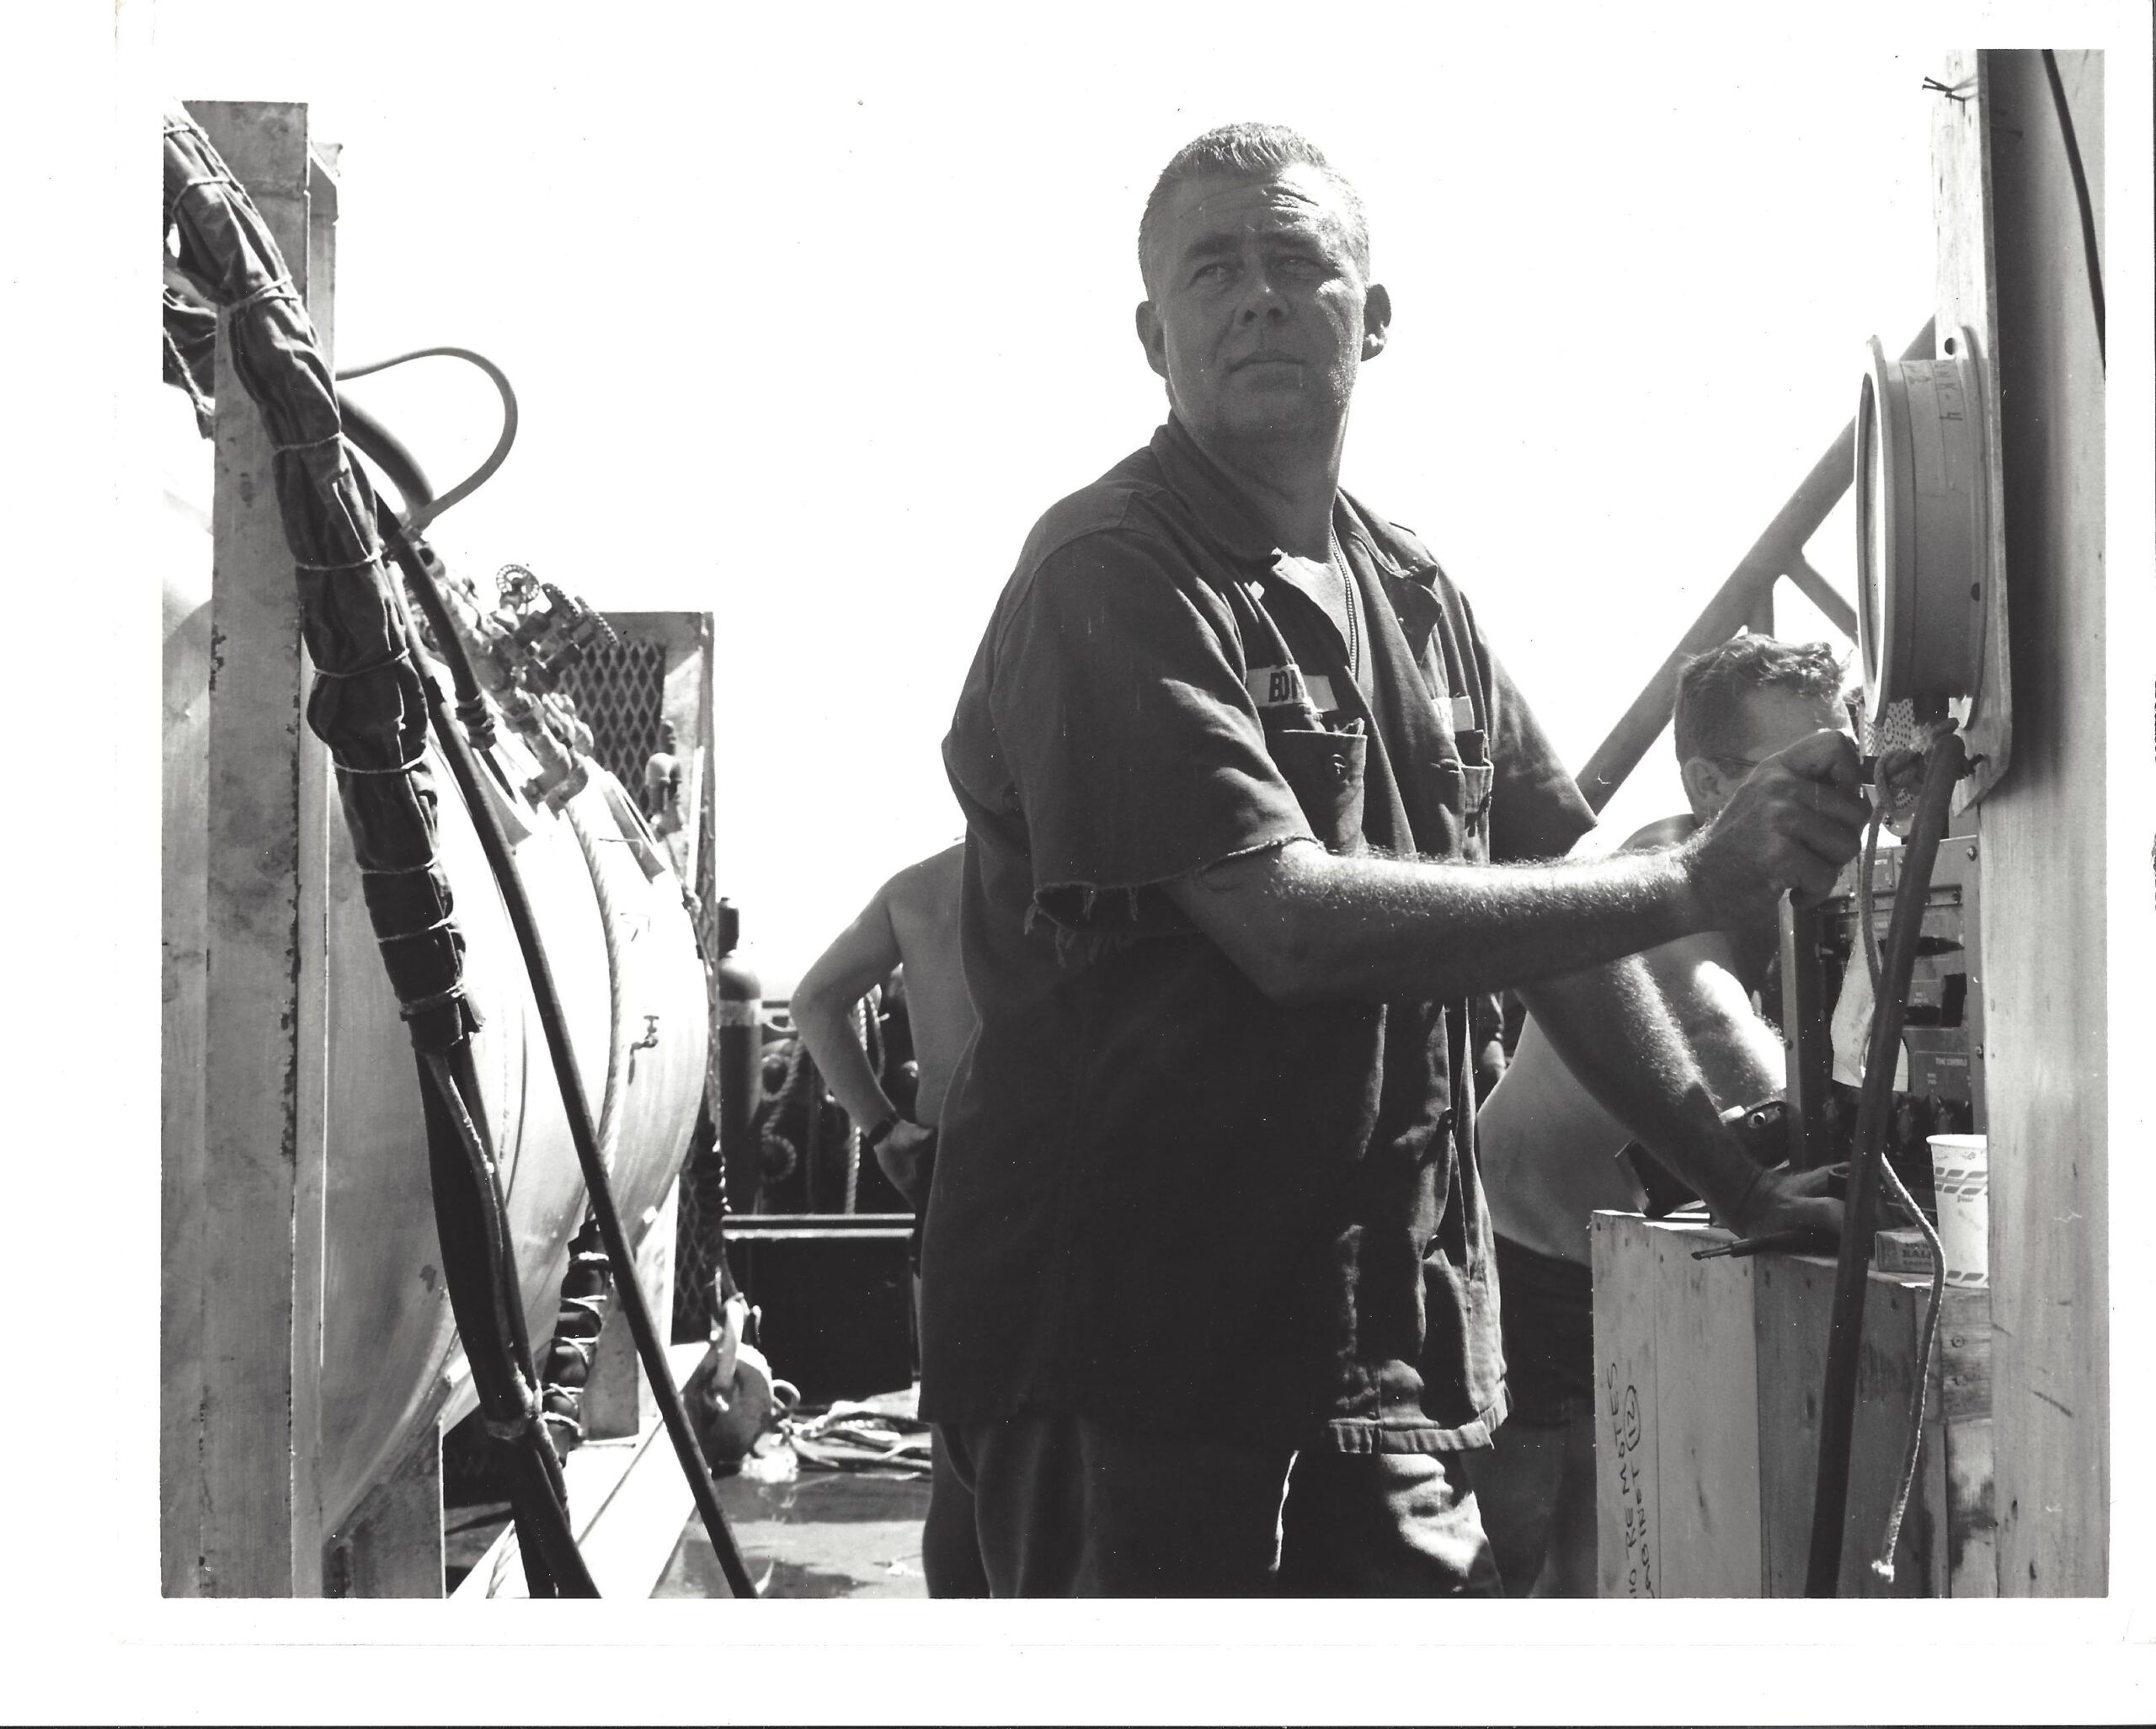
927,889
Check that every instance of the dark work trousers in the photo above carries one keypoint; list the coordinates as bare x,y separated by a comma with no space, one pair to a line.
950,1551
1066,1507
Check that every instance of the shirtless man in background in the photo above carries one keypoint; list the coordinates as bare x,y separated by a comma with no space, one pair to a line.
911,923
1549,1151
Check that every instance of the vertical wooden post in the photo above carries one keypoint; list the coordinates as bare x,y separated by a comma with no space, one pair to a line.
618,1401
2011,268
185,916
391,1545
1627,1469
1708,1527
244,1256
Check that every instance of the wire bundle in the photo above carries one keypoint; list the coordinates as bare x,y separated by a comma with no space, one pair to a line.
368,707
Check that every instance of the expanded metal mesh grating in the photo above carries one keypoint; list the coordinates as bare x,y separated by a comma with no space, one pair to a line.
1895,730
619,690
699,1235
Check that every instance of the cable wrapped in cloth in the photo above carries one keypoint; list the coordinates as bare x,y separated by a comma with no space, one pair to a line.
368,707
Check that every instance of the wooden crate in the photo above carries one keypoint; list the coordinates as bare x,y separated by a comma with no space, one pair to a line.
1707,1423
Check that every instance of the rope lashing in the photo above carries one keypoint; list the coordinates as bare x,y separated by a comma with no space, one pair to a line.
227,251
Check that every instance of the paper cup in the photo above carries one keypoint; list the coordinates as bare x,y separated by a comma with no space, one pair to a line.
1960,1180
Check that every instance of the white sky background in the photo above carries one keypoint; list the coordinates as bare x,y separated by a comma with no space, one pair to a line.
1633,273
810,321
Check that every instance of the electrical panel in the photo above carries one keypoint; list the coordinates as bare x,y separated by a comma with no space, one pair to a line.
1939,1083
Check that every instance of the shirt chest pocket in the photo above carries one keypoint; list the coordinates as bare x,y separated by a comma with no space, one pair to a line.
1465,789
1324,770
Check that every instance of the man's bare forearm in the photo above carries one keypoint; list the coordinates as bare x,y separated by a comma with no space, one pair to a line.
1308,926
1617,1034
826,1027
1739,1054
1311,927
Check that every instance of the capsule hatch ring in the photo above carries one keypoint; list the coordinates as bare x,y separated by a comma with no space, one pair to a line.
1921,539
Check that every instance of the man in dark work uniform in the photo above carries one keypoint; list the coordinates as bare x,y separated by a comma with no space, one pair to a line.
1209,1304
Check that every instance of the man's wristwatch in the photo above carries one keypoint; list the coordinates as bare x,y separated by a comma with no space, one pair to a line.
1762,1129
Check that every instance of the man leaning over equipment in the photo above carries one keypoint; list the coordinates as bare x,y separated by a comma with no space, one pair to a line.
1549,1152
1208,1292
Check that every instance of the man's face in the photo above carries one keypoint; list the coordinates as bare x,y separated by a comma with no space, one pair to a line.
1259,317
1770,721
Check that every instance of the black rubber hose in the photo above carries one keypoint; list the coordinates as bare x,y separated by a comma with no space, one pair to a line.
469,1214
2081,198
387,453
555,1024
1943,765
419,513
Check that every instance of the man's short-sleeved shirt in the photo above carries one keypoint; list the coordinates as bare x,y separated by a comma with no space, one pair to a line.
1159,1198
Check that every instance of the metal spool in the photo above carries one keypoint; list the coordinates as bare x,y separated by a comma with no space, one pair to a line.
1922,546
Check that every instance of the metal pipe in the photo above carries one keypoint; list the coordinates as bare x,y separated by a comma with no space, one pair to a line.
1821,594
1804,1033
1780,545
1631,739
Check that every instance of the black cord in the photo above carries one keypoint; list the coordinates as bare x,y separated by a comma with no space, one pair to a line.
553,1021
1945,764
418,515
387,453
485,1296
2081,197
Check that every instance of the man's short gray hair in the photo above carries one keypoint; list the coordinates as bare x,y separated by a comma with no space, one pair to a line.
1712,688
1247,150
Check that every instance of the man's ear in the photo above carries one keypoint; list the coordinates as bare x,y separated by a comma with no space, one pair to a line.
1152,337
1377,320
1703,783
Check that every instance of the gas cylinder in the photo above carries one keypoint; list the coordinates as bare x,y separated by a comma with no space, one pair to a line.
741,1066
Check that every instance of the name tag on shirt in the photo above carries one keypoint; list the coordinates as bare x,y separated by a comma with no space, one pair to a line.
1281,687
1291,687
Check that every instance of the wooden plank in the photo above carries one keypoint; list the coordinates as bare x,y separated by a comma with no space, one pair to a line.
1965,1434
628,1501
1888,1374
184,937
1627,1495
618,1400
1793,1298
248,1528
1707,1419
2045,977
1707,1431
1967,296
316,795
390,1544
1790,1311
